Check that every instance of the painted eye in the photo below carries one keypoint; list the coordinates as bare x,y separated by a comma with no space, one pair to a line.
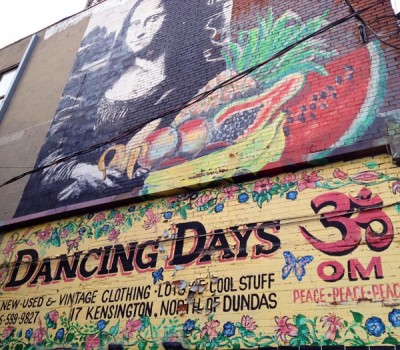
154,18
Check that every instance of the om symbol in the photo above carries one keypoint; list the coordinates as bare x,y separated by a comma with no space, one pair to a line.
350,216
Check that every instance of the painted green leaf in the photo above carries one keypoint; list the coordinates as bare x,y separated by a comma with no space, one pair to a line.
69,227
55,240
70,337
142,344
98,233
154,346
182,212
19,347
236,346
398,208
114,329
371,165
300,320
357,316
129,221
390,340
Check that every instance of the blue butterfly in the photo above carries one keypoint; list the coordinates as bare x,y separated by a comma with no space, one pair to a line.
158,275
298,265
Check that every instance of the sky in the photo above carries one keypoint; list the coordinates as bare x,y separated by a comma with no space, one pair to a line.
20,18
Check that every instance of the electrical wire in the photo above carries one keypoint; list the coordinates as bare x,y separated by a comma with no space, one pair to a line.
282,222
361,19
197,98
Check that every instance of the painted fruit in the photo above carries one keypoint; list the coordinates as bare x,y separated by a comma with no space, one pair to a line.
264,143
242,118
193,135
161,143
332,111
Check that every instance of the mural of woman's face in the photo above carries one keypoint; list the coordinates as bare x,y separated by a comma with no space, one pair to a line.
145,23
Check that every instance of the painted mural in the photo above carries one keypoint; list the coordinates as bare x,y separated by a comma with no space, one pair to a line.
282,113
306,258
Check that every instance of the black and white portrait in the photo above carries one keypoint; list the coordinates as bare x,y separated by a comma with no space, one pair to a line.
137,60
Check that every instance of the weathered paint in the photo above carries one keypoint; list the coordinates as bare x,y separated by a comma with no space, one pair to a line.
286,112
299,259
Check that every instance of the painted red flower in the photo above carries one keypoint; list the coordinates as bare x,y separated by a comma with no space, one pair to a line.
172,200
38,334
92,342
248,323
118,219
64,233
131,327
229,191
73,243
366,176
285,329
113,235
99,217
204,199
45,234
53,316
289,178
338,174
210,328
309,181
396,187
263,185
151,220
333,323
8,250
8,331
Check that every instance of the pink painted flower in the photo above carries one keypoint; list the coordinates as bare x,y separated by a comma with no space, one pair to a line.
309,181
396,187
30,243
113,235
248,323
229,191
289,178
8,331
38,334
338,174
53,316
284,328
99,217
64,233
118,219
131,327
44,235
366,176
263,185
3,274
8,250
152,220
172,200
92,342
210,329
204,199
333,323
73,243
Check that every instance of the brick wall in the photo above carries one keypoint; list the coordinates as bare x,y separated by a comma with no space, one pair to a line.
302,259
323,100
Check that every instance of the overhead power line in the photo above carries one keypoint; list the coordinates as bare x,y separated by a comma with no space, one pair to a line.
197,98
